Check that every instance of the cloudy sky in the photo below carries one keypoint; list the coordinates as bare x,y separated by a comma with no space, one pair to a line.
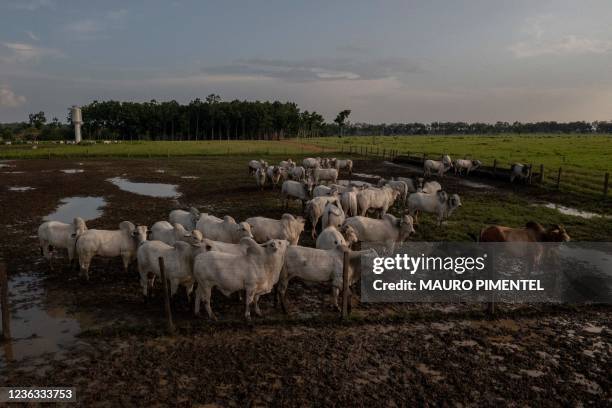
388,61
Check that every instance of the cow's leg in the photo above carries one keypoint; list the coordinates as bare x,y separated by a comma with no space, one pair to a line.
206,294
248,299
84,264
282,291
257,309
335,293
198,300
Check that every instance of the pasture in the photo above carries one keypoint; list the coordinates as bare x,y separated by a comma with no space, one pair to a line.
106,333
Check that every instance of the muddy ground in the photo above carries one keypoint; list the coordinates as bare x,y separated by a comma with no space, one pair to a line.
99,336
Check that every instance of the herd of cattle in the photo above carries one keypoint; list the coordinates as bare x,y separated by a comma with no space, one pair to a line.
260,253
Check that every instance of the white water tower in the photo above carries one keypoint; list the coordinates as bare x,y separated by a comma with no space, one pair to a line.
77,120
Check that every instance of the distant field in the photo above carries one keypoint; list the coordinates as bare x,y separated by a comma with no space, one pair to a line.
591,153
253,148
583,151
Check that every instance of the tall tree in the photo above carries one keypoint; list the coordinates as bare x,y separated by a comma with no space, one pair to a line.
341,118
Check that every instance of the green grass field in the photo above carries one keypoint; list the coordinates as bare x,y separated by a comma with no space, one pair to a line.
584,158
581,151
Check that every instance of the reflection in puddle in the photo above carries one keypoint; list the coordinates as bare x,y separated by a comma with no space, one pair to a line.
36,329
474,184
572,211
190,177
72,171
88,208
148,189
21,188
160,171
364,175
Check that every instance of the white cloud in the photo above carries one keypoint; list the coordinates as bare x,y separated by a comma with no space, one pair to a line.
8,99
542,41
86,26
32,36
15,52
95,28
33,5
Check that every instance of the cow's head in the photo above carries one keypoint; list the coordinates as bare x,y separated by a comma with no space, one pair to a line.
454,202
244,230
556,233
349,234
406,227
442,196
476,163
195,215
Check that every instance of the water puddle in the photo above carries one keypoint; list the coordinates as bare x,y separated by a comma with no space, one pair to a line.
21,188
6,165
404,166
37,330
572,211
190,177
159,190
365,175
160,171
14,172
474,184
88,208
72,171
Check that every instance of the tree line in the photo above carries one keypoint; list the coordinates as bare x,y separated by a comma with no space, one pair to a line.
214,119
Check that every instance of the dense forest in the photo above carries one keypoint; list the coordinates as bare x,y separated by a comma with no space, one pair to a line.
214,119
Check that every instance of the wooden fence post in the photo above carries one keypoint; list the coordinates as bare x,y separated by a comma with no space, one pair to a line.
4,303
530,173
559,178
346,287
606,180
541,173
162,270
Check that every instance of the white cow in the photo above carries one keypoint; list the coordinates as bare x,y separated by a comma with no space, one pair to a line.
437,167
331,237
296,190
440,204
54,235
286,164
316,207
297,173
318,265
347,164
430,187
388,231
257,164
260,178
348,200
413,185
165,232
287,228
187,219
327,175
398,185
109,244
224,230
256,273
376,199
178,262
467,165
311,163
333,216
236,249
321,191
274,174
520,171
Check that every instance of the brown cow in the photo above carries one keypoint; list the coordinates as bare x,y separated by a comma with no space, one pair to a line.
533,232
